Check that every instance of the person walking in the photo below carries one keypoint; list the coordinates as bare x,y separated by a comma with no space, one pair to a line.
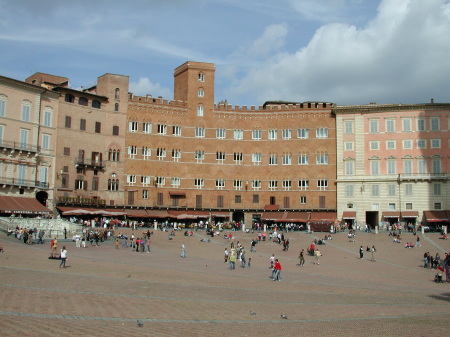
361,252
225,255
418,244
302,258
373,250
243,259
277,269
317,255
232,261
183,250
63,257
147,244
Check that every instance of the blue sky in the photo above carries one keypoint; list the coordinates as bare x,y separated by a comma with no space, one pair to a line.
341,51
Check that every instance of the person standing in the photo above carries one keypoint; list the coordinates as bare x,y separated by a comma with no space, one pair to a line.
277,269
302,258
373,250
183,250
63,257
147,243
232,261
249,264
361,252
243,259
418,244
225,256
65,233
317,255
272,261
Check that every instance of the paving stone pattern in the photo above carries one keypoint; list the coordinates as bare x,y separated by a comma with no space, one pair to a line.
104,290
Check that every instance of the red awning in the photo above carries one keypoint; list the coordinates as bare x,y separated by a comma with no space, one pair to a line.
136,213
391,214
435,216
177,194
349,215
297,217
188,214
218,214
274,216
157,213
318,216
271,207
90,211
22,205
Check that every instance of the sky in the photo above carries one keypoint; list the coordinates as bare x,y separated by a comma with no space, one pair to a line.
348,52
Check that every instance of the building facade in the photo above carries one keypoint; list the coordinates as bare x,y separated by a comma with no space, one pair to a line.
393,163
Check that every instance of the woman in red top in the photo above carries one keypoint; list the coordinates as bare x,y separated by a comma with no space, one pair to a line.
278,270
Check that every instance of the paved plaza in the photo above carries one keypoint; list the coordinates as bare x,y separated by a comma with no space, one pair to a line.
104,290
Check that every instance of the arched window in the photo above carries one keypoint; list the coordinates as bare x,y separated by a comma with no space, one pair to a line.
96,104
69,98
117,93
116,107
83,101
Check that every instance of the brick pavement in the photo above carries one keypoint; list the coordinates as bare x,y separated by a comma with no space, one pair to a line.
105,290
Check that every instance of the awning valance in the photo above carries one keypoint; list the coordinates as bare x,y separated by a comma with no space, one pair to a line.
177,194
349,215
410,214
274,216
188,214
295,217
435,216
220,214
391,214
22,205
91,211
318,216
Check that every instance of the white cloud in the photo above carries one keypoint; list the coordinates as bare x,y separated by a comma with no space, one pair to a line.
145,87
400,56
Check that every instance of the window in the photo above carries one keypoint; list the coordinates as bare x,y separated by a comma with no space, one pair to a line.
43,175
390,145
133,126
26,108
160,199
286,202
436,165
46,141
199,156
273,134
96,104
145,180
273,185
220,184
220,201
237,199
303,184
391,166
115,130
160,153
237,184
256,184
132,151
435,143
144,194
256,198
24,139
349,191
67,151
2,129
146,153
95,183
162,129
322,159
373,126
200,93
407,166
420,124
113,155
175,182
421,143
406,125
436,189
422,166
375,191
434,121
198,183
287,185
287,159
131,179
321,133
199,132
348,127
220,133
176,154
287,133
113,184
117,93
391,206
348,146
437,205
409,205
176,130
80,184
238,157
303,159
69,98
375,167
273,159
303,200
83,101
303,133
116,107
201,77
238,134
408,189
322,184
391,190
146,127
160,181
82,124
220,157
374,145
390,125
200,110
349,168
322,201
3,100
48,115
407,144
256,158
256,134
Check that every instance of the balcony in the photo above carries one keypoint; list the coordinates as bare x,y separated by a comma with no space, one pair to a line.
96,164
19,146
23,183
423,176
